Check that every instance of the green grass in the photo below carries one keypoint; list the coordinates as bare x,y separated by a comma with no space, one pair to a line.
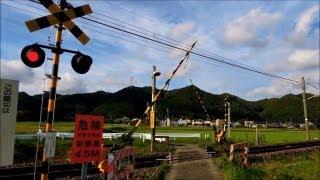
304,166
239,135
25,150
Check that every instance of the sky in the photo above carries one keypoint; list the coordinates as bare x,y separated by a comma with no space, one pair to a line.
278,37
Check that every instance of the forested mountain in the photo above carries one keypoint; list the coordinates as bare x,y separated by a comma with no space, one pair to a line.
182,103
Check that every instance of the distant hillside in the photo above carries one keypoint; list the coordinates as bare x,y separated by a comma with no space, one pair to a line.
289,108
132,101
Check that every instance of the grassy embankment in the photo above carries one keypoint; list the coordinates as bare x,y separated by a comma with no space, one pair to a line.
239,135
304,166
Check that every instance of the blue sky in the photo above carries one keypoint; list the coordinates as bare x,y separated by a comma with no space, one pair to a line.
280,37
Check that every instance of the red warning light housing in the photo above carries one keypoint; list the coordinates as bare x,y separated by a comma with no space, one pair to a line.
32,56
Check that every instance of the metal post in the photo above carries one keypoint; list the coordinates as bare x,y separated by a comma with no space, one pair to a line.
153,130
53,85
84,171
305,108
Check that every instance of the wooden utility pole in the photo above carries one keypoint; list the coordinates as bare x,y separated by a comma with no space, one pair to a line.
305,111
229,121
153,107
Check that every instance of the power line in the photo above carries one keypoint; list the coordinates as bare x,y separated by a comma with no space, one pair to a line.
154,35
195,53
179,48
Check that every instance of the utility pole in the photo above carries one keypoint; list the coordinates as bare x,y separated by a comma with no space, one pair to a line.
153,107
53,88
225,114
229,122
303,84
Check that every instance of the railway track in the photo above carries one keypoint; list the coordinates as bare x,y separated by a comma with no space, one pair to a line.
187,156
68,170
269,152
71,170
284,147
295,147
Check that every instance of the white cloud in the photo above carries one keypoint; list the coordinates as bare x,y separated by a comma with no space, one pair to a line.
16,70
302,59
247,29
303,25
182,30
278,88
29,78
71,83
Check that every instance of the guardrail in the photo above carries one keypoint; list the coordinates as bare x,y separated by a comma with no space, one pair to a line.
111,136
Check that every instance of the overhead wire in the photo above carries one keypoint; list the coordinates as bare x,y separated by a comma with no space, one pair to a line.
196,53
154,35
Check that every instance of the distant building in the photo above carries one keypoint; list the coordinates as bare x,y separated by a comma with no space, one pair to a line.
124,119
163,123
168,122
304,125
182,122
197,122
248,123
235,124
208,123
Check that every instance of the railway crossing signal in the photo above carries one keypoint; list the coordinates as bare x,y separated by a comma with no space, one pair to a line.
33,56
61,16
81,63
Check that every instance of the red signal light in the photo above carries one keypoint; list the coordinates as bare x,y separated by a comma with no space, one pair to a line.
32,56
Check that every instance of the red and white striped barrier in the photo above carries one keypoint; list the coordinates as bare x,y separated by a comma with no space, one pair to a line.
125,152
114,167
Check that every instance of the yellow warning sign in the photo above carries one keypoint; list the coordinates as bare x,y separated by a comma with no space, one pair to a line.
151,119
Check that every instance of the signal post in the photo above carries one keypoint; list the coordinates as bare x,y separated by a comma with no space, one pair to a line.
53,88
33,56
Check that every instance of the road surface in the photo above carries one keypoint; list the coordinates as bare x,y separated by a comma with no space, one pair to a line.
201,168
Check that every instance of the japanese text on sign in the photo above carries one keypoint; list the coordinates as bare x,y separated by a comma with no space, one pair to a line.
87,138
151,119
6,98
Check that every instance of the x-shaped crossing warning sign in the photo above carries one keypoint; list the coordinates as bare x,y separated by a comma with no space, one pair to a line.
61,16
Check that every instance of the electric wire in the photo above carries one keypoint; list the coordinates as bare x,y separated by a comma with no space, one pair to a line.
153,35
201,55
198,54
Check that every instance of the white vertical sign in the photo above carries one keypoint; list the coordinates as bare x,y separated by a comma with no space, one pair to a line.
9,90
50,144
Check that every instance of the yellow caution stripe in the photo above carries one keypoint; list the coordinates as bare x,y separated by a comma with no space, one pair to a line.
58,17
34,25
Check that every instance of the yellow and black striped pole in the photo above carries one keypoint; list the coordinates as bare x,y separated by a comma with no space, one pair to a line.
53,89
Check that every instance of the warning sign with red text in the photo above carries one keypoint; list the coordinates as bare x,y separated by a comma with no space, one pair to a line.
87,142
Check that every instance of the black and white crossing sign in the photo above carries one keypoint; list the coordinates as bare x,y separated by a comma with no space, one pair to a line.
61,16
